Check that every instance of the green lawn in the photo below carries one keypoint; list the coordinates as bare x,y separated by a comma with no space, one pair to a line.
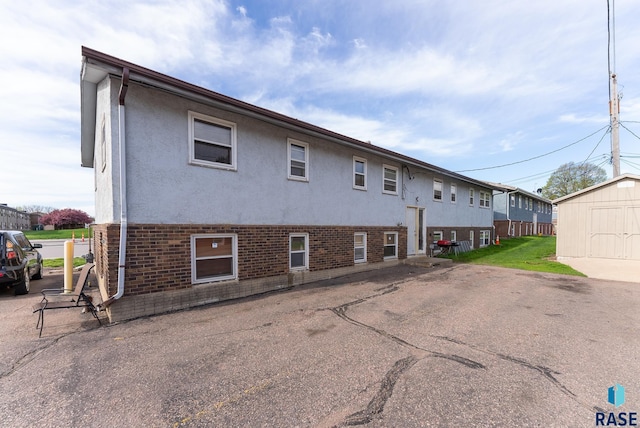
58,263
527,253
56,234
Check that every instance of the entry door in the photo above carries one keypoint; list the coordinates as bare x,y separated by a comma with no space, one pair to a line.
415,222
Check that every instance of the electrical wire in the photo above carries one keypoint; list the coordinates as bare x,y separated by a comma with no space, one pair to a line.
536,157
594,149
630,131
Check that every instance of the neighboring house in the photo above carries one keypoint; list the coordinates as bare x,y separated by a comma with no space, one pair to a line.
201,197
35,220
601,221
13,219
517,212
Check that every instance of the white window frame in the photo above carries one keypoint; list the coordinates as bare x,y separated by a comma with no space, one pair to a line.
291,142
386,180
306,251
512,199
217,122
363,247
437,183
454,235
395,245
485,238
454,193
234,255
357,159
437,236
485,199
471,238
519,201
471,196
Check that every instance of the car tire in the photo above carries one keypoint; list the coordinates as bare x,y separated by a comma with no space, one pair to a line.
24,285
39,274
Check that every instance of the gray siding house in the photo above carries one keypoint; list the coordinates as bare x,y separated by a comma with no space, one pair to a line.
201,197
517,212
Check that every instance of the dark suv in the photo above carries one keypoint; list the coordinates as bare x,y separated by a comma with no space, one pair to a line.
19,261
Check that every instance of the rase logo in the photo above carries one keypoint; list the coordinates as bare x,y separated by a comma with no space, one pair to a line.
615,397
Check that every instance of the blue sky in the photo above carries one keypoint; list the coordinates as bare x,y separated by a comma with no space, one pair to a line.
461,84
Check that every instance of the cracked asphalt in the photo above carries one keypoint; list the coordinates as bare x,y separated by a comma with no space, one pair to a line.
406,346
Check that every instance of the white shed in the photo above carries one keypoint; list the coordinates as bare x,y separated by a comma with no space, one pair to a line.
601,221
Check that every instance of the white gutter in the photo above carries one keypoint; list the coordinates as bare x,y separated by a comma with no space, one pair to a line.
123,187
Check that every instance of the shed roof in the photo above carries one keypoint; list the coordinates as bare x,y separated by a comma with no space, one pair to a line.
97,65
597,186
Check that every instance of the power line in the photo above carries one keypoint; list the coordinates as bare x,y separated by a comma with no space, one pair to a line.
536,157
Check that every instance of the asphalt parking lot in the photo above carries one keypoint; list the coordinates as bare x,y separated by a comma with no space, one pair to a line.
407,346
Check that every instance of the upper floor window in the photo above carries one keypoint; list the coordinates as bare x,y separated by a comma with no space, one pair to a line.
437,189
513,200
471,196
359,173
298,160
389,179
519,201
454,190
485,199
212,141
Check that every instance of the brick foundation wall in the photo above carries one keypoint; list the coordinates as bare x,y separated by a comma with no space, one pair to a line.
159,260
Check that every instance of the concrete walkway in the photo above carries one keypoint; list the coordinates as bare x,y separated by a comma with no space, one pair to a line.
611,269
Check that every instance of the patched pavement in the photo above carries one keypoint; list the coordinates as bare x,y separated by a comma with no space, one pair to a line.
404,346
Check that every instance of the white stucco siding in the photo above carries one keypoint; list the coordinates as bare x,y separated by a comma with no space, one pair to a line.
164,188
106,167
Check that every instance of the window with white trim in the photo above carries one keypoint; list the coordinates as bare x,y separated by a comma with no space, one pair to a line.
520,201
212,141
471,196
389,180
390,245
513,200
471,238
454,189
454,235
437,236
437,189
299,251
485,237
485,199
298,160
214,257
360,247
359,173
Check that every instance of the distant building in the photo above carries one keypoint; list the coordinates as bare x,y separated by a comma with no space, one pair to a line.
517,212
13,219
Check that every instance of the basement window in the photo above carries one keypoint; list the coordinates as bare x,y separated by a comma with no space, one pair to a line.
214,258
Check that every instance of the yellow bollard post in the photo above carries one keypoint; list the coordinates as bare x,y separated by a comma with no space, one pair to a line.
68,267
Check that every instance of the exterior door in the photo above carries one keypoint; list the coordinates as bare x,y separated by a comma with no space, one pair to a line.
605,232
416,230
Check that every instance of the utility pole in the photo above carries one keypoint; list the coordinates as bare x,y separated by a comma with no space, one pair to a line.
614,113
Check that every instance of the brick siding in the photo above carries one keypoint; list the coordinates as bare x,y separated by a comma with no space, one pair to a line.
158,260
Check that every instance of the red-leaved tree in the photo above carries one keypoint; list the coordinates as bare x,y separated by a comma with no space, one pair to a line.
65,218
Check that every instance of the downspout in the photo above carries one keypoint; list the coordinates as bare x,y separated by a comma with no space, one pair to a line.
124,85
509,213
